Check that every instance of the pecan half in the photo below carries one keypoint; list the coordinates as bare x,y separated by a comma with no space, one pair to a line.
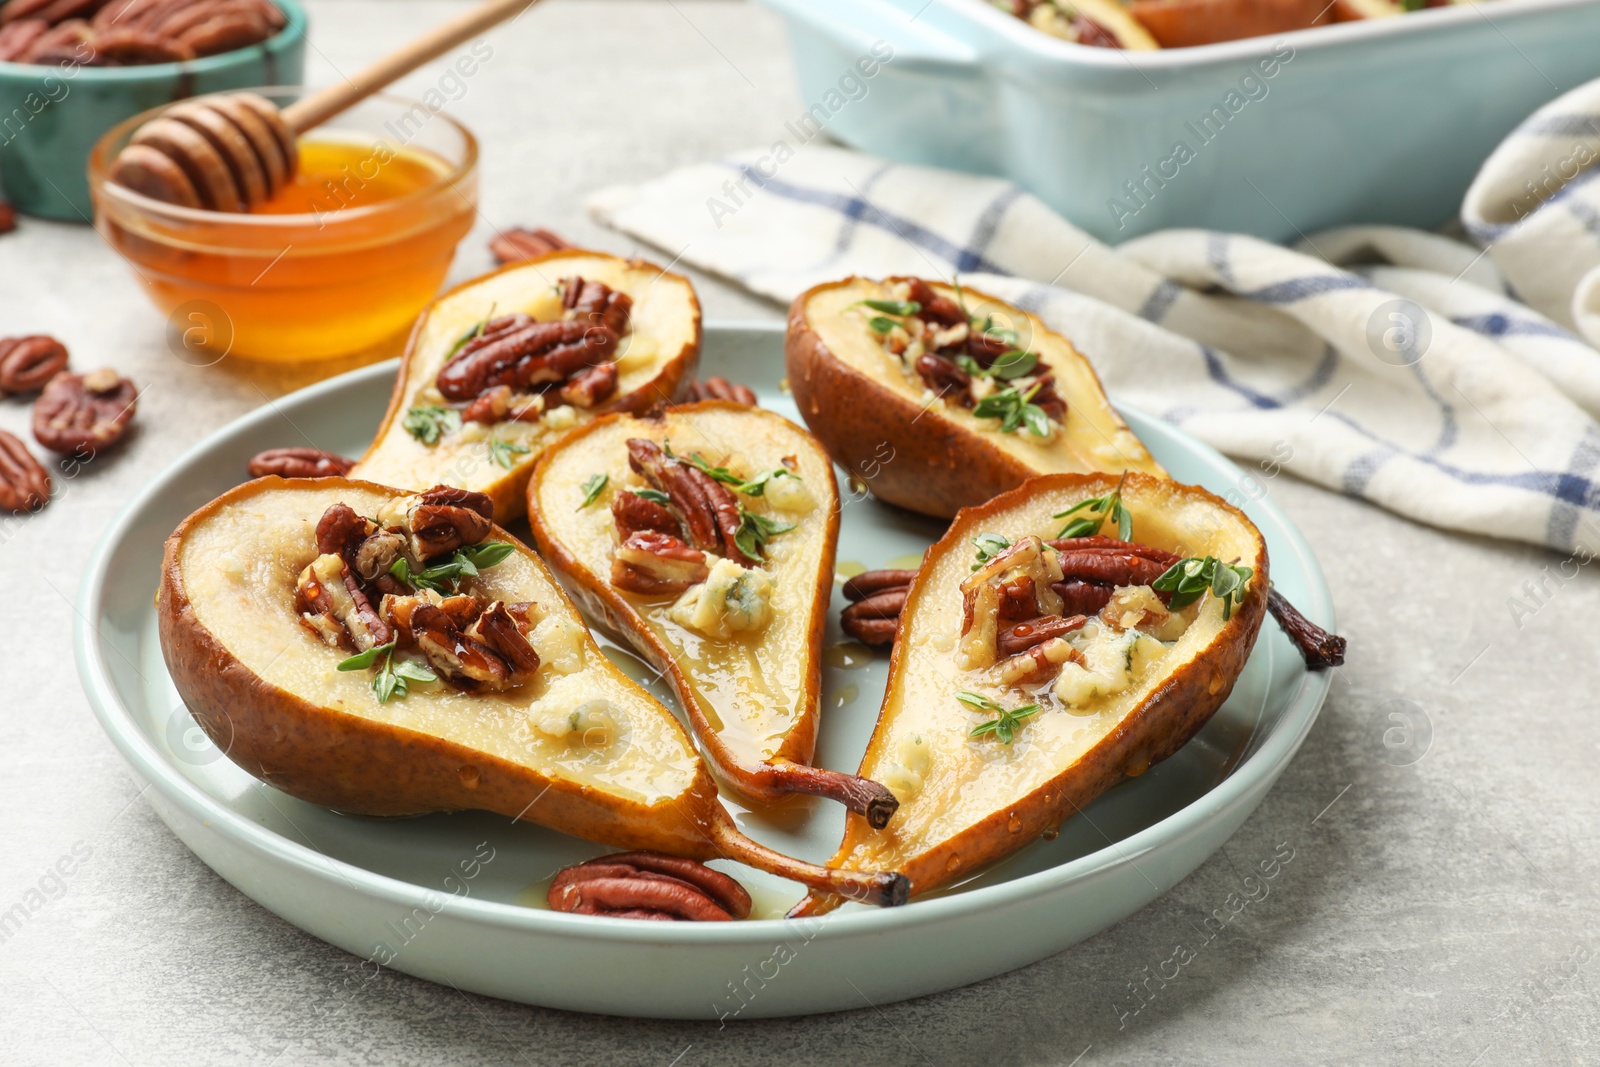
709,511
65,42
715,388
491,653
128,48
298,462
649,885
516,244
16,38
935,308
1083,598
591,386
340,531
632,513
521,356
942,376
500,404
444,518
869,627
1109,566
80,413
28,363
652,563
8,214
597,303
1038,662
1019,637
24,483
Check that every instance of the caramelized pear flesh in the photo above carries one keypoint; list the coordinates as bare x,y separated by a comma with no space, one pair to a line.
270,693
655,362
971,793
751,695
931,453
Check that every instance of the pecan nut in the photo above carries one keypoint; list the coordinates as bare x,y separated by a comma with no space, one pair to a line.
84,413
444,518
874,625
936,308
591,386
8,214
524,355
649,885
632,513
709,511
491,653
28,363
652,563
597,303
715,388
24,483
298,462
516,244
17,37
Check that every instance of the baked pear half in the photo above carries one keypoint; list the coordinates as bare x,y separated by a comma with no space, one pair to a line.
393,653
939,398
498,368
705,535
1018,692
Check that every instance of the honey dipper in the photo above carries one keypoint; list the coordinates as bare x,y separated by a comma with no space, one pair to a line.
234,151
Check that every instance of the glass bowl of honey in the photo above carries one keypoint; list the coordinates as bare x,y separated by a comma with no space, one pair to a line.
338,263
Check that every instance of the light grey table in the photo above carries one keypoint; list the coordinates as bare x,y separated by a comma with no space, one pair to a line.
1440,906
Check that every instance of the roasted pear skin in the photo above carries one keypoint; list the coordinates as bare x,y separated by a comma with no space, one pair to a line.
656,364
976,799
267,692
923,454
753,703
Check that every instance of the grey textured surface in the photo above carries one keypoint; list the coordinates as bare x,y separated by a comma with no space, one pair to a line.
1439,906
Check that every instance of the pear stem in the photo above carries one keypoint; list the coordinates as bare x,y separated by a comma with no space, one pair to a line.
863,796
883,888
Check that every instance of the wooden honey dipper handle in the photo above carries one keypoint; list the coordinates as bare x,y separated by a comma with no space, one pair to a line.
321,106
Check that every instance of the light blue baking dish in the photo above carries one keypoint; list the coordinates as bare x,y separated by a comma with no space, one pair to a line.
1376,121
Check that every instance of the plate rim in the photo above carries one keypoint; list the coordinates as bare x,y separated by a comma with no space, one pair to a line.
1257,771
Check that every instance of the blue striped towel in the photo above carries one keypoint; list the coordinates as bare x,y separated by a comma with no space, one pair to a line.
1454,383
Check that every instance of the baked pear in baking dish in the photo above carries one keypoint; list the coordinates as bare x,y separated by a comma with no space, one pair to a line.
705,535
392,653
939,398
498,368
1017,693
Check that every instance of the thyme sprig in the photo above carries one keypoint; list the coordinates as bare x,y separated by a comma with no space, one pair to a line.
393,680
1098,509
1189,579
1005,724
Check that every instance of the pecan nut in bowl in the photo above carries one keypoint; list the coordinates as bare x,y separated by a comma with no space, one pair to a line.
28,363
84,413
24,483
298,463
649,885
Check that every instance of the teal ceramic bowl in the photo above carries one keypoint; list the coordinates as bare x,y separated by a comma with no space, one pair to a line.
1377,121
52,115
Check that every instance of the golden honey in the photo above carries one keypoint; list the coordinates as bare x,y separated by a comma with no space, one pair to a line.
340,261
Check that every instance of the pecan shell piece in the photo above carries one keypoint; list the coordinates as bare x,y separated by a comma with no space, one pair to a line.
24,483
298,462
84,413
28,363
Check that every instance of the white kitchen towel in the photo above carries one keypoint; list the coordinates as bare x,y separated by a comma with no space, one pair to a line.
1403,367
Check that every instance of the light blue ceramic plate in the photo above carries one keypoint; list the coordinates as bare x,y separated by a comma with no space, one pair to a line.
459,898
